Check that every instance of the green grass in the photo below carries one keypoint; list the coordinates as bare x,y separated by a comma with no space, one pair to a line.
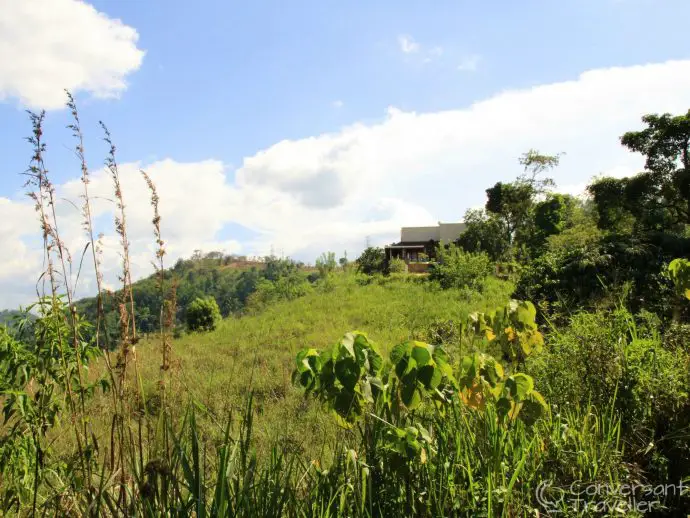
257,352
236,438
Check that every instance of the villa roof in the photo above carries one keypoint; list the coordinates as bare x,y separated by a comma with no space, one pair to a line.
408,244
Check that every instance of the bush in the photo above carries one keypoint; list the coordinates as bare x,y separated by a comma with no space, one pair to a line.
203,314
456,268
397,265
602,357
290,287
371,261
326,264
582,276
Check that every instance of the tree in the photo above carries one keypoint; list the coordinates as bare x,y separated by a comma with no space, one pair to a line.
484,232
511,202
203,314
551,216
397,265
536,163
371,261
658,198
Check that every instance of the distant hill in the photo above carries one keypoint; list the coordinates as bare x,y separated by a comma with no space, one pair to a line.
7,316
231,280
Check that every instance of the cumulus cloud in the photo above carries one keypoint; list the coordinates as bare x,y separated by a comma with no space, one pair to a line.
47,46
407,44
440,163
331,191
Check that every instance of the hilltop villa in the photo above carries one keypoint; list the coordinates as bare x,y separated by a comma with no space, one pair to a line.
415,241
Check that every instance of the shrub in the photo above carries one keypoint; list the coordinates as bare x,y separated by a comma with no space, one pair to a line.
371,261
290,287
203,314
581,276
397,265
602,358
326,264
456,268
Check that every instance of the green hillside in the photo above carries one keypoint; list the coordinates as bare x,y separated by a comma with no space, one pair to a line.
257,351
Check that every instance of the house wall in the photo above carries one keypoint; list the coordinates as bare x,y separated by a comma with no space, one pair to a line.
418,267
449,232
419,234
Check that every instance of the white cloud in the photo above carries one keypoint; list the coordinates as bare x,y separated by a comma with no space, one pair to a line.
469,63
47,46
338,104
330,191
407,44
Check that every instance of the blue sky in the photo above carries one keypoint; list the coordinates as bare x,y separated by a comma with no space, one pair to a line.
319,123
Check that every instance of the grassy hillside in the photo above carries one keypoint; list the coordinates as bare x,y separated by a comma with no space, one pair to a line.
228,279
257,351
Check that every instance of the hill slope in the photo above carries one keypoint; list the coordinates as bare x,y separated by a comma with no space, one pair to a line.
257,350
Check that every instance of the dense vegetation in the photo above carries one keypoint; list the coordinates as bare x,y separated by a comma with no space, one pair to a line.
542,366
230,280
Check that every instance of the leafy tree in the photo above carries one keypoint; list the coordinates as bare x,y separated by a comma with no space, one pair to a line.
659,197
551,216
511,202
203,314
484,232
579,277
277,268
581,231
371,261
343,260
536,163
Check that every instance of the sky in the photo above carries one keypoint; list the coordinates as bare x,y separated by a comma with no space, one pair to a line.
308,126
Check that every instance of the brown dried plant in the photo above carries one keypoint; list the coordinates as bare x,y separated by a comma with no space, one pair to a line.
42,192
168,297
128,333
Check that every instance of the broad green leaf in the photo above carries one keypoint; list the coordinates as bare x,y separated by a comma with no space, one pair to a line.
409,392
430,376
526,313
533,408
347,404
504,406
520,385
421,354
399,351
348,372
493,371
375,361
347,346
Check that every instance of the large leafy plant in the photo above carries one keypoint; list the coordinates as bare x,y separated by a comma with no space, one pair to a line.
513,328
346,376
353,380
483,379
